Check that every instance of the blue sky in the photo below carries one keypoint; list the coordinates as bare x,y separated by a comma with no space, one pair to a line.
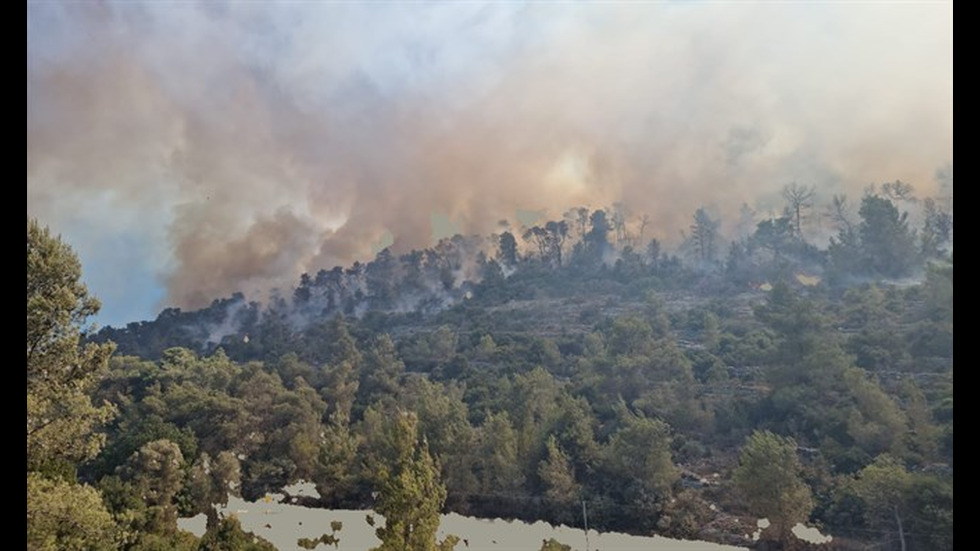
190,150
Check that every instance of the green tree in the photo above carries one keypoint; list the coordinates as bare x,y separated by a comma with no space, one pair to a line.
640,450
630,335
596,241
486,349
381,373
875,421
549,239
283,430
704,237
341,376
558,476
335,475
442,343
885,486
443,423
61,419
636,468
774,235
844,254
382,278
60,371
156,472
930,523
887,243
768,476
937,229
497,464
507,249
534,407
410,495
66,516
209,482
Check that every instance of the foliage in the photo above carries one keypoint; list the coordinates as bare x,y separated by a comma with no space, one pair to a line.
558,478
577,368
229,536
497,459
410,495
640,450
61,418
768,476
326,539
909,507
66,516
883,486
704,237
886,238
551,544
882,245
208,483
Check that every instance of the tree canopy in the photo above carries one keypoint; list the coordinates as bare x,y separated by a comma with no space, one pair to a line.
768,475
61,417
577,370
410,495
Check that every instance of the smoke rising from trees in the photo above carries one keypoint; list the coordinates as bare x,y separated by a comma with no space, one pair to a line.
238,145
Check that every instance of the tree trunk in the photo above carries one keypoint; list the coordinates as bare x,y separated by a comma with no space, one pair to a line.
901,533
212,518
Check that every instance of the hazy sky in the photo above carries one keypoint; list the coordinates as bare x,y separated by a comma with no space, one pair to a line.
188,150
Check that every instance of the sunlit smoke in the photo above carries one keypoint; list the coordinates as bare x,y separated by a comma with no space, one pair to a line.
245,143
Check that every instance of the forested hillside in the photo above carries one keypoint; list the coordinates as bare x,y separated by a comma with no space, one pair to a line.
792,369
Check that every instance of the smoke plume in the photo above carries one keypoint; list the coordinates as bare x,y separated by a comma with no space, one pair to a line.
240,144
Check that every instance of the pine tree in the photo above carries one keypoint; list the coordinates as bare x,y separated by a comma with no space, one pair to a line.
60,416
410,495
768,476
61,419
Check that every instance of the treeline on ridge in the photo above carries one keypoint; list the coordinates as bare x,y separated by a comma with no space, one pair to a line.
568,368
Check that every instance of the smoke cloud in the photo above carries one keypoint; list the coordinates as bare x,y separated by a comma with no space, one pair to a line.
239,144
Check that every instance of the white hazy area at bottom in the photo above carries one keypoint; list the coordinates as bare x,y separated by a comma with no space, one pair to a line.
811,535
802,532
283,524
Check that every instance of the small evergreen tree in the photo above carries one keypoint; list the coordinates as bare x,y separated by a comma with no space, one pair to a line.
410,495
768,476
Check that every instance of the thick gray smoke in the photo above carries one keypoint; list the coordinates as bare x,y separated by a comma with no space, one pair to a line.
239,144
